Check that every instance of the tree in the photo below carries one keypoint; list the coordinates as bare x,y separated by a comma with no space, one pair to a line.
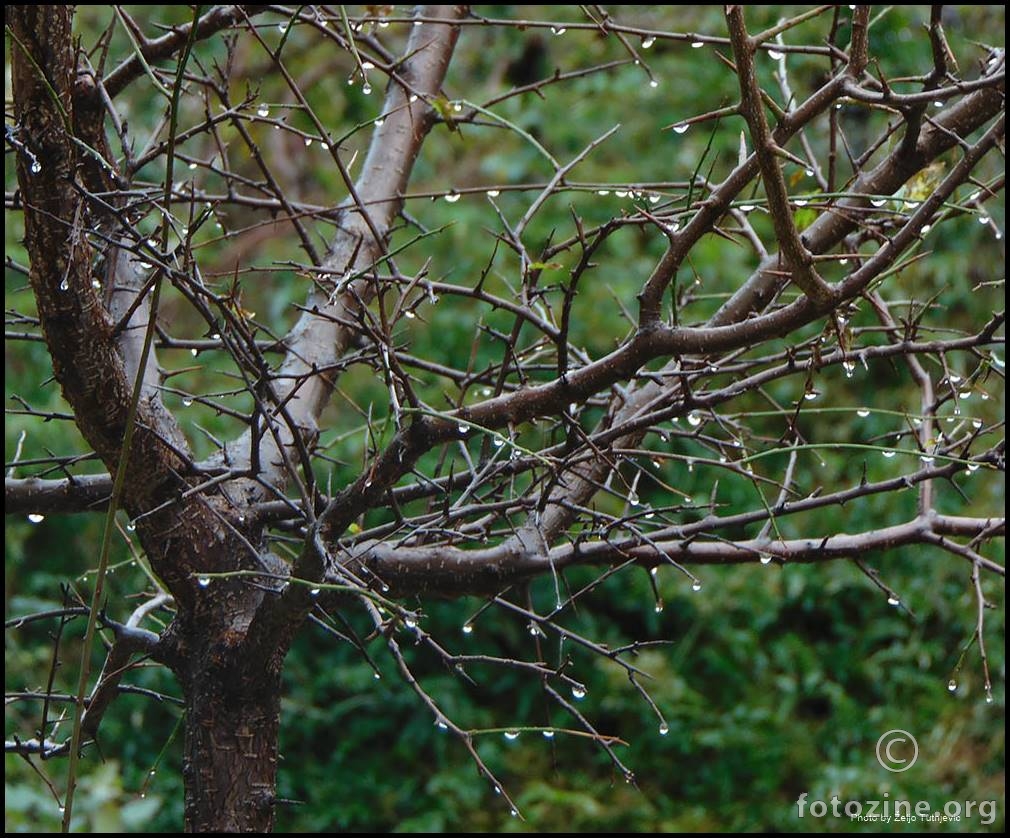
176,190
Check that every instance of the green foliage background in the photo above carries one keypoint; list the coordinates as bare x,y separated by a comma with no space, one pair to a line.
775,680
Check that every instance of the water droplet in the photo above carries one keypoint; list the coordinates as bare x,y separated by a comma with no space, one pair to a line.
493,193
467,628
810,395
377,676
893,601
775,55
366,88
696,586
497,789
697,45
863,412
680,127
263,110
633,499
409,315
511,735
951,685
558,30
976,423
972,467
131,526
878,202
413,98
203,581
664,729
694,419
766,559
800,202
889,454
65,285
314,592
441,725
194,352
655,199
462,429
648,42
36,518
498,441
620,193
983,219
602,191
843,261
187,402
654,83
410,622
927,458
282,28
548,734
578,692
926,228
36,167
457,107
379,121
745,208
452,197
513,813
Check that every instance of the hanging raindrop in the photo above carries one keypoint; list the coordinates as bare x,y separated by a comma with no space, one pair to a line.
863,412
648,42
664,729
263,111
36,518
893,601
680,127
511,735
578,692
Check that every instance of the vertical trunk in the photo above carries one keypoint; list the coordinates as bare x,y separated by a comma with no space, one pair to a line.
230,757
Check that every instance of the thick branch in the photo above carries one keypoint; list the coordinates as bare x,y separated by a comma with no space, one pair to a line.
447,570
322,334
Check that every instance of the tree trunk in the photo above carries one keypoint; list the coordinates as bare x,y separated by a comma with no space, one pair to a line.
230,755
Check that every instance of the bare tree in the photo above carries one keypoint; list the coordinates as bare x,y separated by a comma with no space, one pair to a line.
478,476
